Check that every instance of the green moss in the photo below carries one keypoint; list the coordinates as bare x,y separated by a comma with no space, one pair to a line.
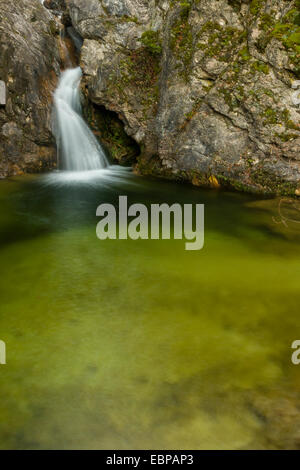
256,6
285,137
266,21
271,183
292,125
53,27
217,41
151,41
286,118
138,70
273,117
185,9
293,40
287,31
245,54
268,92
130,19
293,16
259,180
229,98
259,66
182,42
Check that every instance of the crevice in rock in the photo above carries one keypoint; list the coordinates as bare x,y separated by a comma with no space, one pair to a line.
109,129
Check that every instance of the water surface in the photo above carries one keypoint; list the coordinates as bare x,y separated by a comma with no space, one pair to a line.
141,344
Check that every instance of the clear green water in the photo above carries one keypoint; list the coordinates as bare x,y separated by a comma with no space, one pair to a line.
141,344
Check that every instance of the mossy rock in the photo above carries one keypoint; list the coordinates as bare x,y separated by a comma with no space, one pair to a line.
109,129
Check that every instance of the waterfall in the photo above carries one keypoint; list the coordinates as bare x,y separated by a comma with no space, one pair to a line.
78,148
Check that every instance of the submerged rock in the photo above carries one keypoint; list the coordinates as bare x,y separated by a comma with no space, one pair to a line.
29,68
204,87
278,410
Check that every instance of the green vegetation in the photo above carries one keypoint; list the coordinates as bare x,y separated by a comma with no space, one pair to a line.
271,116
256,6
130,19
245,54
274,116
259,66
110,130
138,69
218,41
235,4
287,31
141,68
53,27
266,21
151,41
285,137
229,97
271,183
182,43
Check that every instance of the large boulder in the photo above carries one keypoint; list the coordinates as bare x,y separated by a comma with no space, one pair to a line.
206,87
29,68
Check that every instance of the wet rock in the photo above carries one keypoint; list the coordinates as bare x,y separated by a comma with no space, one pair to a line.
76,38
29,67
58,8
204,87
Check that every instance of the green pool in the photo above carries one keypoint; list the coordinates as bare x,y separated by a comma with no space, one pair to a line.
141,344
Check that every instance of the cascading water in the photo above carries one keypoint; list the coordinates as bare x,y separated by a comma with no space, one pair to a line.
79,152
78,148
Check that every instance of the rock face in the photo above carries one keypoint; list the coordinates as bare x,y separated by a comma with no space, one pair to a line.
29,68
58,5
207,88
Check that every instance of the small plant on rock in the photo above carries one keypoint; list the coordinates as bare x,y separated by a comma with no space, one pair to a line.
151,41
